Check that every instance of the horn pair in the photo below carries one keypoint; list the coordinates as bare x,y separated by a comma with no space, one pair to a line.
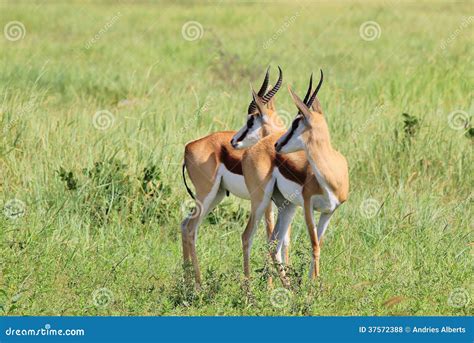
307,100
261,93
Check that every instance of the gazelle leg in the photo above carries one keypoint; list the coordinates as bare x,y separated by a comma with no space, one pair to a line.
308,216
247,237
269,225
261,200
285,215
184,240
269,220
205,204
285,251
323,225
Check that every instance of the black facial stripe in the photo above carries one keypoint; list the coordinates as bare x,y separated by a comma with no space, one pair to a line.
250,122
241,138
295,123
249,125
294,126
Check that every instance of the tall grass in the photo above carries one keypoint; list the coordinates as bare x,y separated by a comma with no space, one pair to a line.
100,229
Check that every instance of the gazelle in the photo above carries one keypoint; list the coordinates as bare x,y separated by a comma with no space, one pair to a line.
290,181
258,167
309,132
215,168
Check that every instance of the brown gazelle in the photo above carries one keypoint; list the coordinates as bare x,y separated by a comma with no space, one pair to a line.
215,168
290,181
309,132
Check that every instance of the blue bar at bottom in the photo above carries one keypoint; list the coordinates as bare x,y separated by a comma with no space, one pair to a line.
236,329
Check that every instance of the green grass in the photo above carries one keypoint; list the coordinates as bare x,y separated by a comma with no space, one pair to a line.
103,207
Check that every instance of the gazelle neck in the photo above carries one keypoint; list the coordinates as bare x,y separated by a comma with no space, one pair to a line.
320,155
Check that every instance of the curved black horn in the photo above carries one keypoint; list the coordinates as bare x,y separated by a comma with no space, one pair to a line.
310,101
266,98
264,86
252,107
261,92
309,89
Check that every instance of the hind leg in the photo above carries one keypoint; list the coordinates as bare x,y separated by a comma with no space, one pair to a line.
186,253
269,220
205,203
285,250
285,216
256,214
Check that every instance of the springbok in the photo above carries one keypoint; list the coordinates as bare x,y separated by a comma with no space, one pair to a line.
215,168
310,133
290,180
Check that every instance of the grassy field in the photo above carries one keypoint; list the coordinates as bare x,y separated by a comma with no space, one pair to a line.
98,100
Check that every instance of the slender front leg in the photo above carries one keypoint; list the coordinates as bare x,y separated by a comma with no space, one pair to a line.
260,201
256,214
308,216
269,224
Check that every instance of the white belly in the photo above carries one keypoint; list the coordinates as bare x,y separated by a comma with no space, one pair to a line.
234,183
292,191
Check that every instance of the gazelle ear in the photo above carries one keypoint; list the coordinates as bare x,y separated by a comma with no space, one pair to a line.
300,105
317,106
259,103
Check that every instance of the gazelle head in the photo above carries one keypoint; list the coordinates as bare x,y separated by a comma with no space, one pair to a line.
308,125
261,117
